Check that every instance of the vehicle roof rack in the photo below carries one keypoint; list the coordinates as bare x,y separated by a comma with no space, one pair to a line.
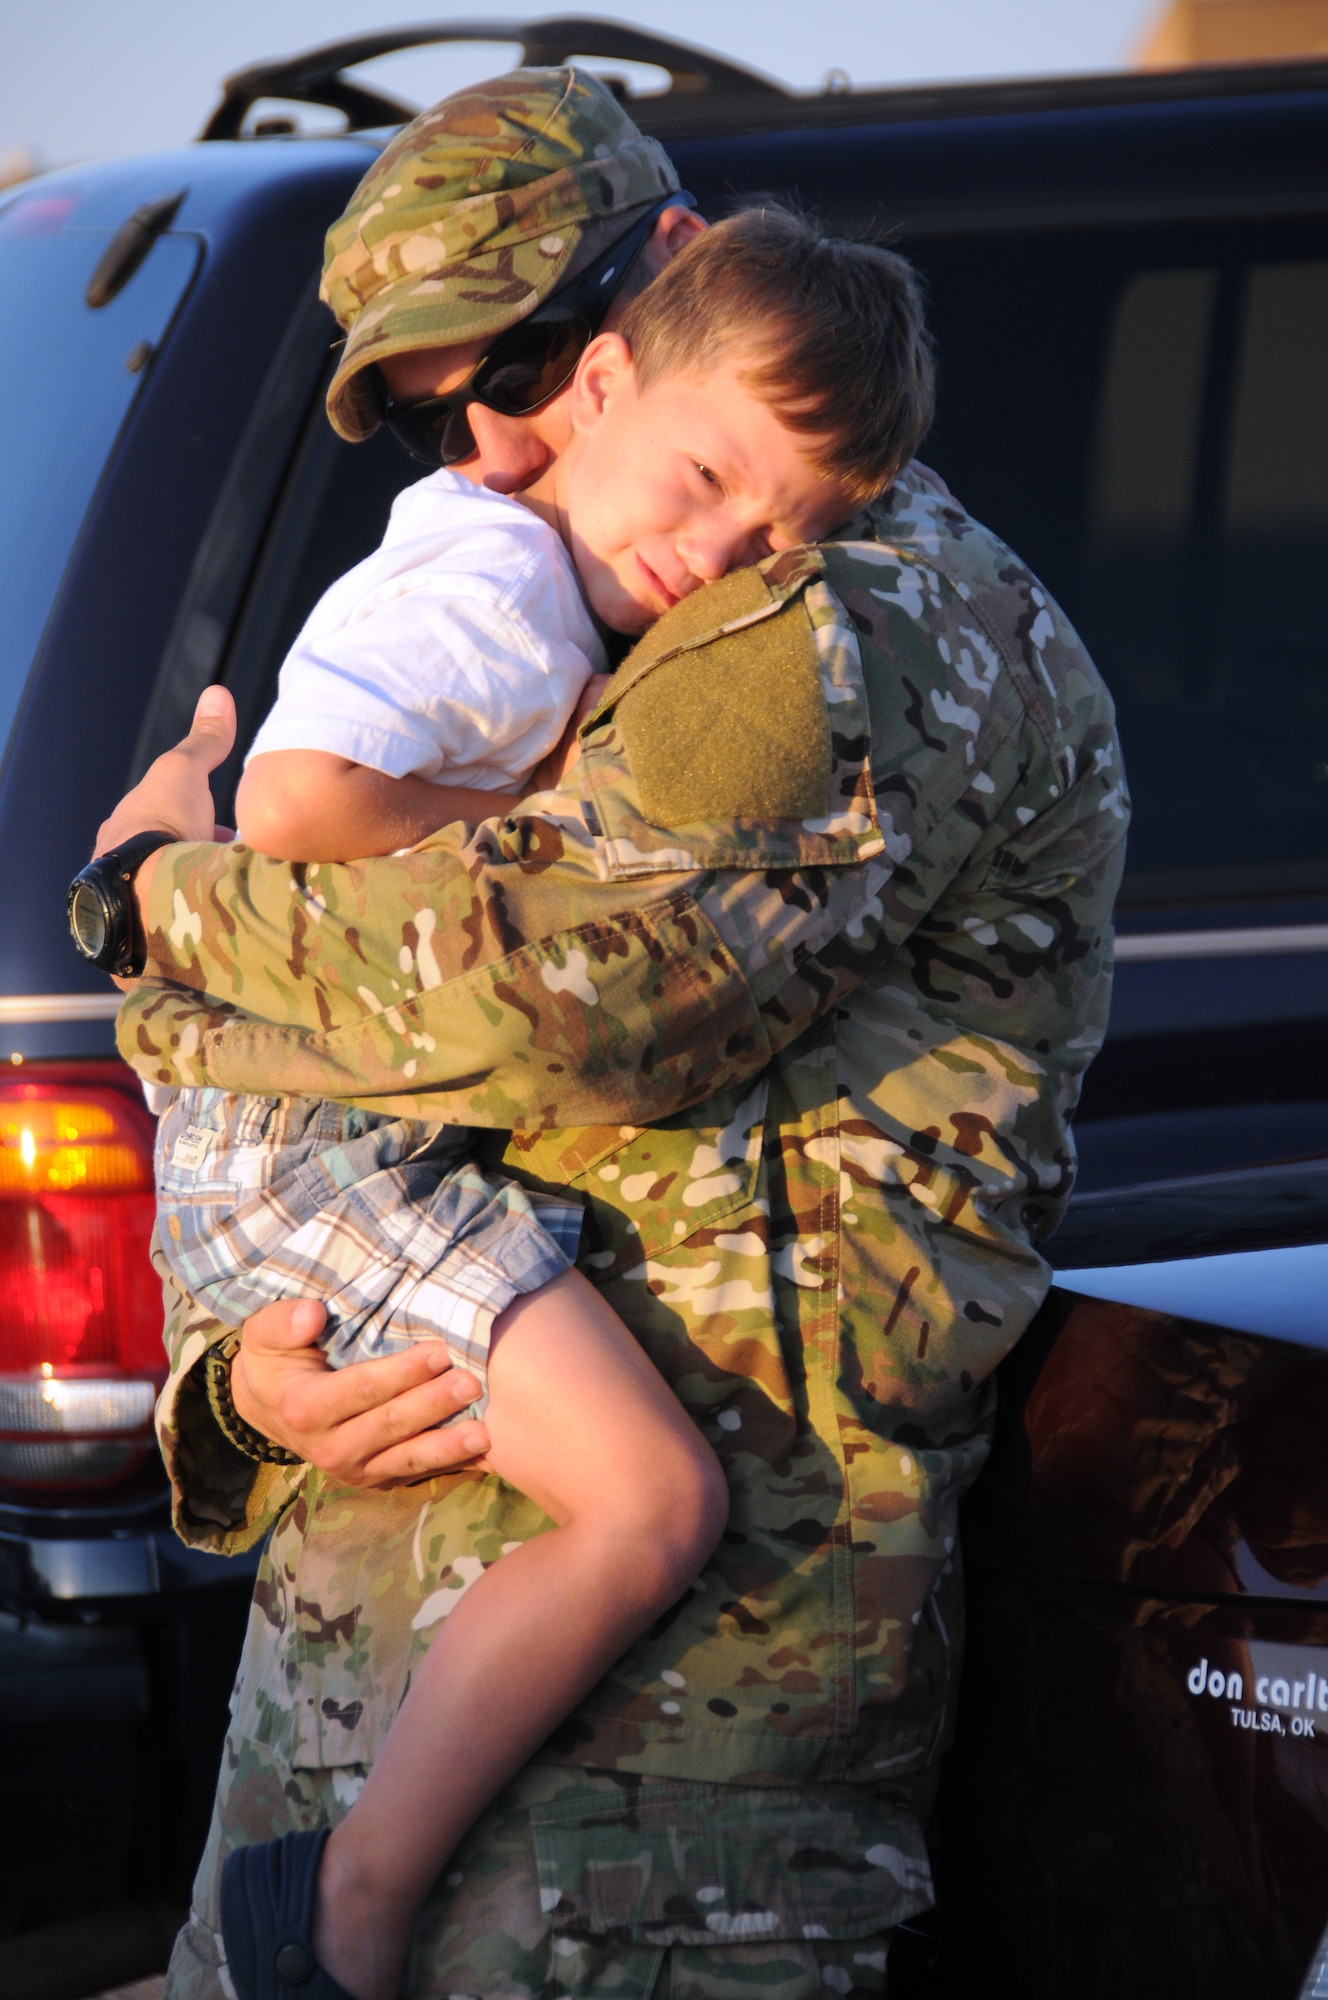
317,77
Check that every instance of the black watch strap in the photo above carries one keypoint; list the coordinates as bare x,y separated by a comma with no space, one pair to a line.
130,855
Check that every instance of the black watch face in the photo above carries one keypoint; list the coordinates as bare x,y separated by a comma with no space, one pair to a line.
88,920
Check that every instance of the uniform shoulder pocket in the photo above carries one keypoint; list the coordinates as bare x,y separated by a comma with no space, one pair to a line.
736,735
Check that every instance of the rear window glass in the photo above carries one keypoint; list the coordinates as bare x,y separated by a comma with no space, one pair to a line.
1143,414
64,393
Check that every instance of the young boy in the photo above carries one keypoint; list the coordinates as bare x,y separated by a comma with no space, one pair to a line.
767,383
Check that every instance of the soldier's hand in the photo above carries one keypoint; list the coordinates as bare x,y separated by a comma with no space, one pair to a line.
371,1424
173,795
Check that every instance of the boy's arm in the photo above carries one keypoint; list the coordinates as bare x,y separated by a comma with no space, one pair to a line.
309,805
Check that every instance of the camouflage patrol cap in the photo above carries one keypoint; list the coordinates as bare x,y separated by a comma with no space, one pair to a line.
473,215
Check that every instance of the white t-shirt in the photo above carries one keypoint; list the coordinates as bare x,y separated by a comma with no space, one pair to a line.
455,652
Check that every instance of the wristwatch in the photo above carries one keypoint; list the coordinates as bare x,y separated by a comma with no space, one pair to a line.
102,910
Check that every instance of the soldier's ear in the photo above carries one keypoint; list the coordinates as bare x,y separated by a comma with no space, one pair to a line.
672,232
603,375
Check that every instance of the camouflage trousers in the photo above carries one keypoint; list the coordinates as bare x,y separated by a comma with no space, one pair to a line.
646,1920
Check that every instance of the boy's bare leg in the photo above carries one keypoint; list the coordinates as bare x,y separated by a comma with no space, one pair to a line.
581,1422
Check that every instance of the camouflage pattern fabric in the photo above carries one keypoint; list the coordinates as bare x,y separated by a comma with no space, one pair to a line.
584,1884
473,214
812,1077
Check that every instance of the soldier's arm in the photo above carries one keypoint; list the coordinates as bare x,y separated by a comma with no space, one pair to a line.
744,838
222,1498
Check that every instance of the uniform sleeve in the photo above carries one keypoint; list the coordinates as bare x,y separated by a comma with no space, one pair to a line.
747,836
221,1500
441,678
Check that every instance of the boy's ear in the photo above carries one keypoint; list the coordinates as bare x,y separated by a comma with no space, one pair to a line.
603,373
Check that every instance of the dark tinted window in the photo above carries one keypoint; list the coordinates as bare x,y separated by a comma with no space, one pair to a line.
64,393
1143,414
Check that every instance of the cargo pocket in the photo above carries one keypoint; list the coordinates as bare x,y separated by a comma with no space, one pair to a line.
204,1140
660,1866
348,1574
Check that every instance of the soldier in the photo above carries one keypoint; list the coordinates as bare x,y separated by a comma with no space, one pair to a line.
795,986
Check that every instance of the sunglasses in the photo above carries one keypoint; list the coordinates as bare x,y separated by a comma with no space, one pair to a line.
529,363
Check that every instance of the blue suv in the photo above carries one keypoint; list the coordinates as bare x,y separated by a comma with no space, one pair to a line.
1128,281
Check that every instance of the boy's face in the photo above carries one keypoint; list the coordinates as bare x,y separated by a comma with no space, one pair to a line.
666,488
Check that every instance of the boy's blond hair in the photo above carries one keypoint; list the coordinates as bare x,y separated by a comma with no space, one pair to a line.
835,331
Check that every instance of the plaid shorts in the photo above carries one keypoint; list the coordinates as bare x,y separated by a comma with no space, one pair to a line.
387,1221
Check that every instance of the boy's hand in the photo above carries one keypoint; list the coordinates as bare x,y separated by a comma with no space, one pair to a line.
566,752
371,1424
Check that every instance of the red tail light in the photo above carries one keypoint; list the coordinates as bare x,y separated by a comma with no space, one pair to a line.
80,1306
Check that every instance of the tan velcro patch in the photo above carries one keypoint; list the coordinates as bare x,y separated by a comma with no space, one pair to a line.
735,728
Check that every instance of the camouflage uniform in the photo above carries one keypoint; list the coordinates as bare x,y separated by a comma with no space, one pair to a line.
794,981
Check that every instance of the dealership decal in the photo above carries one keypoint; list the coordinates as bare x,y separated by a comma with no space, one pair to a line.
1290,1697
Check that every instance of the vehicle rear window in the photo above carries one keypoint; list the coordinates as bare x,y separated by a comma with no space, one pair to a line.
64,394
1143,413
